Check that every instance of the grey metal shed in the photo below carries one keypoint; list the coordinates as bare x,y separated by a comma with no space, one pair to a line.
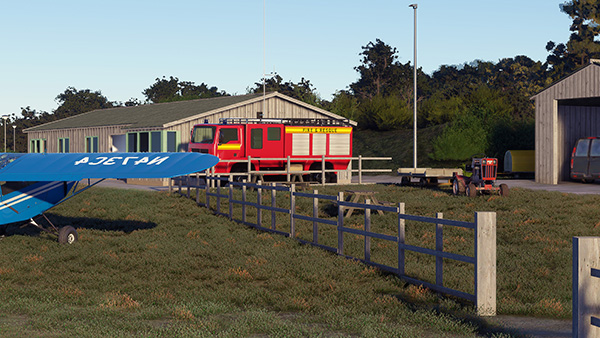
564,112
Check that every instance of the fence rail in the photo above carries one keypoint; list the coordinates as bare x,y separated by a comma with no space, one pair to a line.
484,228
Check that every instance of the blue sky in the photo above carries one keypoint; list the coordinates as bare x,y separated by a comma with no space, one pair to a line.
121,46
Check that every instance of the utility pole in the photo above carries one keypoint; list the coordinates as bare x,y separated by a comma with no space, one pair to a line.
414,6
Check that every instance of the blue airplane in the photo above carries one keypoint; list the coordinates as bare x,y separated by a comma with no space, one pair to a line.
30,184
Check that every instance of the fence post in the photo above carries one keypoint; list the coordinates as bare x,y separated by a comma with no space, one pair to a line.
230,200
367,229
401,238
187,182
359,169
586,255
439,247
206,190
273,204
288,169
170,185
249,168
485,263
292,210
315,215
340,224
219,196
323,169
244,188
258,204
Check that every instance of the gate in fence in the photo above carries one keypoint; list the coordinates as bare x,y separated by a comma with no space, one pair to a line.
484,229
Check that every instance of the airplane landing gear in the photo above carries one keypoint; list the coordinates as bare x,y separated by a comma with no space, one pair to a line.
66,234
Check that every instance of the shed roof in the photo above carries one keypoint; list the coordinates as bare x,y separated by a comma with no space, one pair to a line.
582,86
163,114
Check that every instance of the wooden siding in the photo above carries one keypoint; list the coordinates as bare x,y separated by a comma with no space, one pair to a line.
275,107
556,125
77,138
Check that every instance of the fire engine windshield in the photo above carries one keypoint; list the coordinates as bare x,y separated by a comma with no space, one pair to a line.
203,135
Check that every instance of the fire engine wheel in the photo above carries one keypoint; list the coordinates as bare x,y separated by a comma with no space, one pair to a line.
503,190
471,190
67,235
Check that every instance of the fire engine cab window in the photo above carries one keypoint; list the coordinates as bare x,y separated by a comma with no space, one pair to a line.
595,151
256,138
273,134
582,147
228,135
204,135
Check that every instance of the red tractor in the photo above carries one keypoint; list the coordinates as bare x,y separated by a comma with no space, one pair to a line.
483,179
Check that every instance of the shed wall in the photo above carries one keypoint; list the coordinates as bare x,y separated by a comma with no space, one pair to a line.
551,138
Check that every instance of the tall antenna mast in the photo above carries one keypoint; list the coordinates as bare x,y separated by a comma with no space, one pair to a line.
264,57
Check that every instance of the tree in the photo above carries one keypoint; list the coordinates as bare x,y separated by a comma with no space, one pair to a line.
302,90
73,102
582,45
170,90
380,73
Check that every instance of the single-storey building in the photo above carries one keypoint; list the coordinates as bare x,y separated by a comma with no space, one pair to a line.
162,127
564,112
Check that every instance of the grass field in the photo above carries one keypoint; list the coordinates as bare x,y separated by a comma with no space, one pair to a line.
156,265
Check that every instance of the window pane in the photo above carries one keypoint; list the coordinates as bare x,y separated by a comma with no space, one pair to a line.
273,134
131,142
595,151
67,145
60,145
228,135
203,135
171,141
156,139
582,147
256,138
95,142
144,142
88,144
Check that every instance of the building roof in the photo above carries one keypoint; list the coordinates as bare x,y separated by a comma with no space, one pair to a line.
145,116
593,65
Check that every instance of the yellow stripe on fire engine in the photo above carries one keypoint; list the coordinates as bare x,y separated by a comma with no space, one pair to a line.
318,130
233,146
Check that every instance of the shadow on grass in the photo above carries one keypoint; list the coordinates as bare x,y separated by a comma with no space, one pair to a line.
26,229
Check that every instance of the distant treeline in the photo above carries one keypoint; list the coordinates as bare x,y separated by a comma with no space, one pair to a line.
485,106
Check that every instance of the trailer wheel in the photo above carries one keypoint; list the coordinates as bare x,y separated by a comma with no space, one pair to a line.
67,235
471,190
503,190
423,182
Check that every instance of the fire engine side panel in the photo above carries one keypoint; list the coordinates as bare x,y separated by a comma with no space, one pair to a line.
319,144
339,144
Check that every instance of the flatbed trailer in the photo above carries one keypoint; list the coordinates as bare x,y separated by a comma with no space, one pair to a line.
427,176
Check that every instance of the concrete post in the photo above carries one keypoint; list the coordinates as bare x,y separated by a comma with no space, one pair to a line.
485,266
586,289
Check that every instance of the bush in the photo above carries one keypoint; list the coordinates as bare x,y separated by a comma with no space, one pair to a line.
385,113
460,140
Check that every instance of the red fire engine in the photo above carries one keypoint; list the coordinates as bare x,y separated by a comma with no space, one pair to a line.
305,141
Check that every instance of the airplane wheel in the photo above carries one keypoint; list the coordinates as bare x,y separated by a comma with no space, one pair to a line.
471,190
67,235
503,190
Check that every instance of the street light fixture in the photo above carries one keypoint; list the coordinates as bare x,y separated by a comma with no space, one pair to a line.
14,138
414,6
5,117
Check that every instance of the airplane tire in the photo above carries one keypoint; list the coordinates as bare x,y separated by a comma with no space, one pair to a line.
67,235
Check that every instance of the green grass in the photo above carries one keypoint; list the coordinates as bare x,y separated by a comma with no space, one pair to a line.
156,265
534,239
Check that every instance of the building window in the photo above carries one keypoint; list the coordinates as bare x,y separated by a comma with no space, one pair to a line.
154,141
38,145
64,145
91,144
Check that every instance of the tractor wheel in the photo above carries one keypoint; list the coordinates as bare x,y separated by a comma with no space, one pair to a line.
503,190
471,190
67,235
456,187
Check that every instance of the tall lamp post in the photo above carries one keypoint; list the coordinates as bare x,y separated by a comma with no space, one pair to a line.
5,117
414,6
14,138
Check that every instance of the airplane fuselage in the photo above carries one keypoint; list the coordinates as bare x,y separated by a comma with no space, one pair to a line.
21,201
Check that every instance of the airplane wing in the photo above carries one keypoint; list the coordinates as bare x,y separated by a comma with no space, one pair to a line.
78,166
